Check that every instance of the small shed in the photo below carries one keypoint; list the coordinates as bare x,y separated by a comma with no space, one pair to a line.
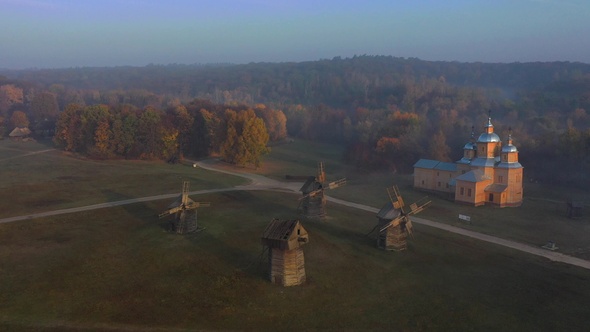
284,239
19,134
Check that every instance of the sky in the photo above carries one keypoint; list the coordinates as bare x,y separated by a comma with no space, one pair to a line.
81,33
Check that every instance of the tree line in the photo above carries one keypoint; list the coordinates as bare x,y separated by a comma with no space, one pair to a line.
239,134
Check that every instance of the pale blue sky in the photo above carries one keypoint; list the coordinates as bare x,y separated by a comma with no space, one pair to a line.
71,33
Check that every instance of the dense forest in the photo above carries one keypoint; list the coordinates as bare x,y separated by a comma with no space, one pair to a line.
387,111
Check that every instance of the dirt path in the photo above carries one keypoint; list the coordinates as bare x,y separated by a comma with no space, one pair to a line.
259,182
27,154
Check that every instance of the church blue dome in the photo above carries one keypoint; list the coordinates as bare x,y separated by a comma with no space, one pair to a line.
509,148
488,138
470,146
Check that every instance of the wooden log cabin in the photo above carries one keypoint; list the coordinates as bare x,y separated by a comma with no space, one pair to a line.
284,239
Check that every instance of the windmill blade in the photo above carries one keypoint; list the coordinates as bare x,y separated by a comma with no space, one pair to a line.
409,227
398,202
185,190
321,177
194,205
337,183
415,208
170,211
392,223
310,194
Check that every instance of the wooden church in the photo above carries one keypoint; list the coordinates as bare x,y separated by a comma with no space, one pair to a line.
489,172
284,239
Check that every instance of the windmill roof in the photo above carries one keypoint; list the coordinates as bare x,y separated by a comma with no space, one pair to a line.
473,176
310,185
388,212
284,234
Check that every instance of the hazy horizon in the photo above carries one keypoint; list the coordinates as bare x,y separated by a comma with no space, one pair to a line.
63,34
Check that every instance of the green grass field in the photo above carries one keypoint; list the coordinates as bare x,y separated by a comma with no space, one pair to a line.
55,180
118,268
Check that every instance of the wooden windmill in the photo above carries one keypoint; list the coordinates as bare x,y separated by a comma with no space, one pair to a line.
284,239
313,202
184,210
394,221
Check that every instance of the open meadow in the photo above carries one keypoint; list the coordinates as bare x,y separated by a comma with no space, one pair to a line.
119,269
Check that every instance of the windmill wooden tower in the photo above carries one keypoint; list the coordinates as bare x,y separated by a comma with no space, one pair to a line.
394,222
284,239
184,210
313,202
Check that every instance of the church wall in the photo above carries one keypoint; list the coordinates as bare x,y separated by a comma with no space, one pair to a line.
424,178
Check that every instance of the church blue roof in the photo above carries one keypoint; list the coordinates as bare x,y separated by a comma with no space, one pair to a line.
473,176
509,165
426,163
483,162
443,166
435,164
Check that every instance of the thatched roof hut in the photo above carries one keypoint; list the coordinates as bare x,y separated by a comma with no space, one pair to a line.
19,133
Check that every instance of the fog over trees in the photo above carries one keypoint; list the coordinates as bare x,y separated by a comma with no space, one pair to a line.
388,112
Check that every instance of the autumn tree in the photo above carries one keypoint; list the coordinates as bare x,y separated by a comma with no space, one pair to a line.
68,131
149,134
44,106
438,148
124,128
10,95
274,120
181,121
19,119
245,138
204,133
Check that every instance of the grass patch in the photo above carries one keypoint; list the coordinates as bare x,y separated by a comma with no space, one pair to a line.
118,269
56,180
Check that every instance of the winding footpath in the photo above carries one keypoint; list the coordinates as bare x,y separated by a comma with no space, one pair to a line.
259,182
